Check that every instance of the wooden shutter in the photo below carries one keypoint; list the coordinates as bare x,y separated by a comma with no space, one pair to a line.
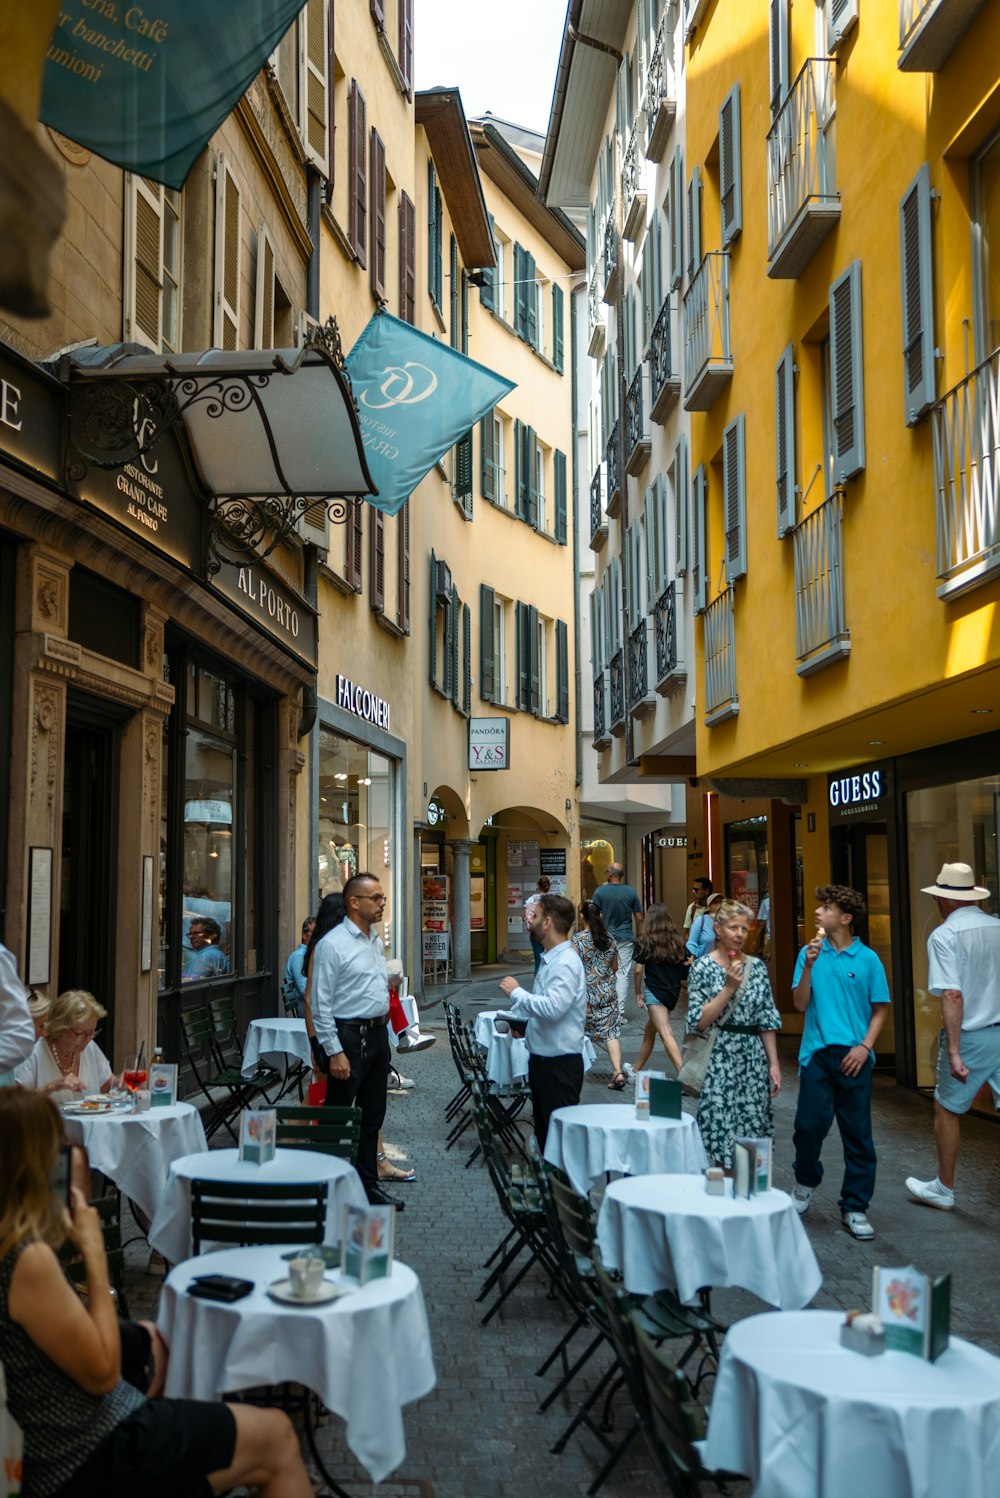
699,540
451,645
407,258
530,467
403,568
405,58
919,375
228,257
432,621
534,704
562,672
559,482
466,659
558,337
523,659
454,330
355,542
143,261
488,464
357,119
840,17
315,84
377,8
377,266
778,53
520,303
675,212
734,492
263,322
435,232
784,402
596,641
730,167
681,498
847,374
376,559
520,471
488,274
331,122
465,311
531,294
463,473
694,222
487,643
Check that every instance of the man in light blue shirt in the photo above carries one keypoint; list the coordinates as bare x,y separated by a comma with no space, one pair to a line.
293,988
840,986
556,1013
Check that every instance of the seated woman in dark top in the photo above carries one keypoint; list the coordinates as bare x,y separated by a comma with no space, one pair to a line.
661,963
88,1433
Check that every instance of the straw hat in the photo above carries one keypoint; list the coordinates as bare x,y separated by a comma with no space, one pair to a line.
956,881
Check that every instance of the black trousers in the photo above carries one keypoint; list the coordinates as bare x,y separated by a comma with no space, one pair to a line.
825,1093
555,1082
367,1051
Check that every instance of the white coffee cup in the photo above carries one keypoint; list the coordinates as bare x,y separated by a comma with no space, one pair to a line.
306,1276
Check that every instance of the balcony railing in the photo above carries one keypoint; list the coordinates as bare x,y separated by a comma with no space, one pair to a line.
598,514
664,376
670,669
637,442
966,425
634,190
661,90
821,633
618,693
613,459
708,359
721,698
610,262
641,697
930,30
596,326
803,204
602,737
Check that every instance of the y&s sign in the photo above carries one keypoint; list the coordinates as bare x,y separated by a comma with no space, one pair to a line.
489,743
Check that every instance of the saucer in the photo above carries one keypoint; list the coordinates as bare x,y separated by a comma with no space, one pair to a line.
282,1290
88,1107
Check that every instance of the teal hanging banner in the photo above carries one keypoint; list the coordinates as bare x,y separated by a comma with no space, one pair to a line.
416,397
145,86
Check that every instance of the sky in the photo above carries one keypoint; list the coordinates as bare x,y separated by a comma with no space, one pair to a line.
486,57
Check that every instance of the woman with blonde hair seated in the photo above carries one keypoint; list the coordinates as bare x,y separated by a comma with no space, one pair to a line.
67,1060
87,1432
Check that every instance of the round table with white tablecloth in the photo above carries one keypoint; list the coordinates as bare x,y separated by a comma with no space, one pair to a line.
798,1413
170,1233
665,1232
136,1150
272,1041
366,1354
592,1139
507,1057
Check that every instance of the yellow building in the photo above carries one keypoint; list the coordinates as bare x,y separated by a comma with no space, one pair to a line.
841,365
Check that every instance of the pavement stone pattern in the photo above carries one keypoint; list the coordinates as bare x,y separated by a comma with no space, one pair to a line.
478,1434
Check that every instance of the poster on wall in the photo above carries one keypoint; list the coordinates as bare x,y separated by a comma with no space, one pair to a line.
477,903
552,863
434,887
513,894
436,946
434,915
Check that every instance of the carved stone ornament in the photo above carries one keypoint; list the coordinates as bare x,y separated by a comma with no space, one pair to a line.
154,648
43,739
48,597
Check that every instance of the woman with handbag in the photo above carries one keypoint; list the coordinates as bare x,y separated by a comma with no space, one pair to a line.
729,997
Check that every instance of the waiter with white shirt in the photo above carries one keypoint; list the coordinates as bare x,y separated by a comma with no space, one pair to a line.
556,1013
350,1011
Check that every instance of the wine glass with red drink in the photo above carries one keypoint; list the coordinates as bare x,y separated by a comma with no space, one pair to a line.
134,1072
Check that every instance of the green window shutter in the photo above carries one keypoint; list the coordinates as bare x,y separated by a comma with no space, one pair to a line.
562,672
488,465
432,229
433,622
694,222
523,659
778,53
465,312
675,211
699,540
520,472
730,167
520,305
453,619
454,330
559,470
734,492
488,282
596,635
403,568
466,659
487,645
840,16
919,382
463,472
358,160
531,625
681,496
531,469
847,375
557,327
531,299
784,401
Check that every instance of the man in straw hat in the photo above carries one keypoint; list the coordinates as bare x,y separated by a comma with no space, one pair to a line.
963,966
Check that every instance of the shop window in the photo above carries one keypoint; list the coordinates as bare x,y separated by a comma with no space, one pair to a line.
601,843
986,238
746,861
357,791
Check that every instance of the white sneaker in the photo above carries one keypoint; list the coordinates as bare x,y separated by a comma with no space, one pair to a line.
629,1070
399,1083
801,1197
931,1193
408,1042
857,1224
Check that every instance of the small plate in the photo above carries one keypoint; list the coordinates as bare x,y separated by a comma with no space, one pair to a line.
88,1108
282,1290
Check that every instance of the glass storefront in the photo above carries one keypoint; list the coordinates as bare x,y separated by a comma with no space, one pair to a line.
357,797
601,843
746,861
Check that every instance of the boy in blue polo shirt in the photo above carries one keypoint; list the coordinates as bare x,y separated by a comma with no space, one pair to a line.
840,986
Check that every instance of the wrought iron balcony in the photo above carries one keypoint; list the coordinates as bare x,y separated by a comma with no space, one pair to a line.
634,190
596,325
602,737
641,697
966,425
930,30
803,204
821,634
637,442
721,697
613,460
661,90
618,693
664,376
610,262
598,514
670,669
708,359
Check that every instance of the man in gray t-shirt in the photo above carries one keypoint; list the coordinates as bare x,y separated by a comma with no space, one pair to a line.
618,904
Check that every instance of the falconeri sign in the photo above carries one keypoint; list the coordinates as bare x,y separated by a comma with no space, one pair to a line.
362,703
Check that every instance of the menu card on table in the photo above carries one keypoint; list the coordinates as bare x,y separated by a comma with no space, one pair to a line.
368,1243
642,1081
258,1128
914,1309
162,1084
664,1097
751,1167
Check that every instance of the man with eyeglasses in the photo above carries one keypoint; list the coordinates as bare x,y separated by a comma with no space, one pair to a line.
350,1011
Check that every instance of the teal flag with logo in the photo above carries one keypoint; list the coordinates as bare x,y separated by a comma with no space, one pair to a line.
416,397
145,86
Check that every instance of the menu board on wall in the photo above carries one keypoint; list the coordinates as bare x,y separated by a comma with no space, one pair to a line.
522,875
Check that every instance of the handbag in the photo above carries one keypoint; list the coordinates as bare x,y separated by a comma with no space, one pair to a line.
699,1044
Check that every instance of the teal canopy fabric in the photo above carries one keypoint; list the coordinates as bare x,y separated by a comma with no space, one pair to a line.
416,397
145,86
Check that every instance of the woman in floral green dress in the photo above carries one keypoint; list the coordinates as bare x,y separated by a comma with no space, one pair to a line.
743,1073
600,964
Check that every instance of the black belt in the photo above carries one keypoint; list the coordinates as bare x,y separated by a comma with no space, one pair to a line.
735,1029
365,1024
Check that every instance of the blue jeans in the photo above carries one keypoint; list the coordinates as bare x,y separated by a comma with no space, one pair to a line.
538,950
826,1093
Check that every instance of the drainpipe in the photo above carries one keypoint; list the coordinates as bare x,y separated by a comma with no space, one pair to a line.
314,190
310,567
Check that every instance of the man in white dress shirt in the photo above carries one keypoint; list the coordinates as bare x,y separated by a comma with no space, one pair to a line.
556,1013
350,1011
17,1030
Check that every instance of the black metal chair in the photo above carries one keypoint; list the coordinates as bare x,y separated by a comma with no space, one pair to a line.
676,1424
228,1049
253,1212
108,1209
332,1131
225,1090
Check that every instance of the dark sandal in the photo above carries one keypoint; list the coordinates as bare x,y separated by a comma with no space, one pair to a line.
618,1082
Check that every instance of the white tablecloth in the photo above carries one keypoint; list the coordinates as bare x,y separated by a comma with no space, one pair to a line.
273,1040
593,1138
799,1414
666,1232
170,1233
366,1354
507,1057
136,1150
